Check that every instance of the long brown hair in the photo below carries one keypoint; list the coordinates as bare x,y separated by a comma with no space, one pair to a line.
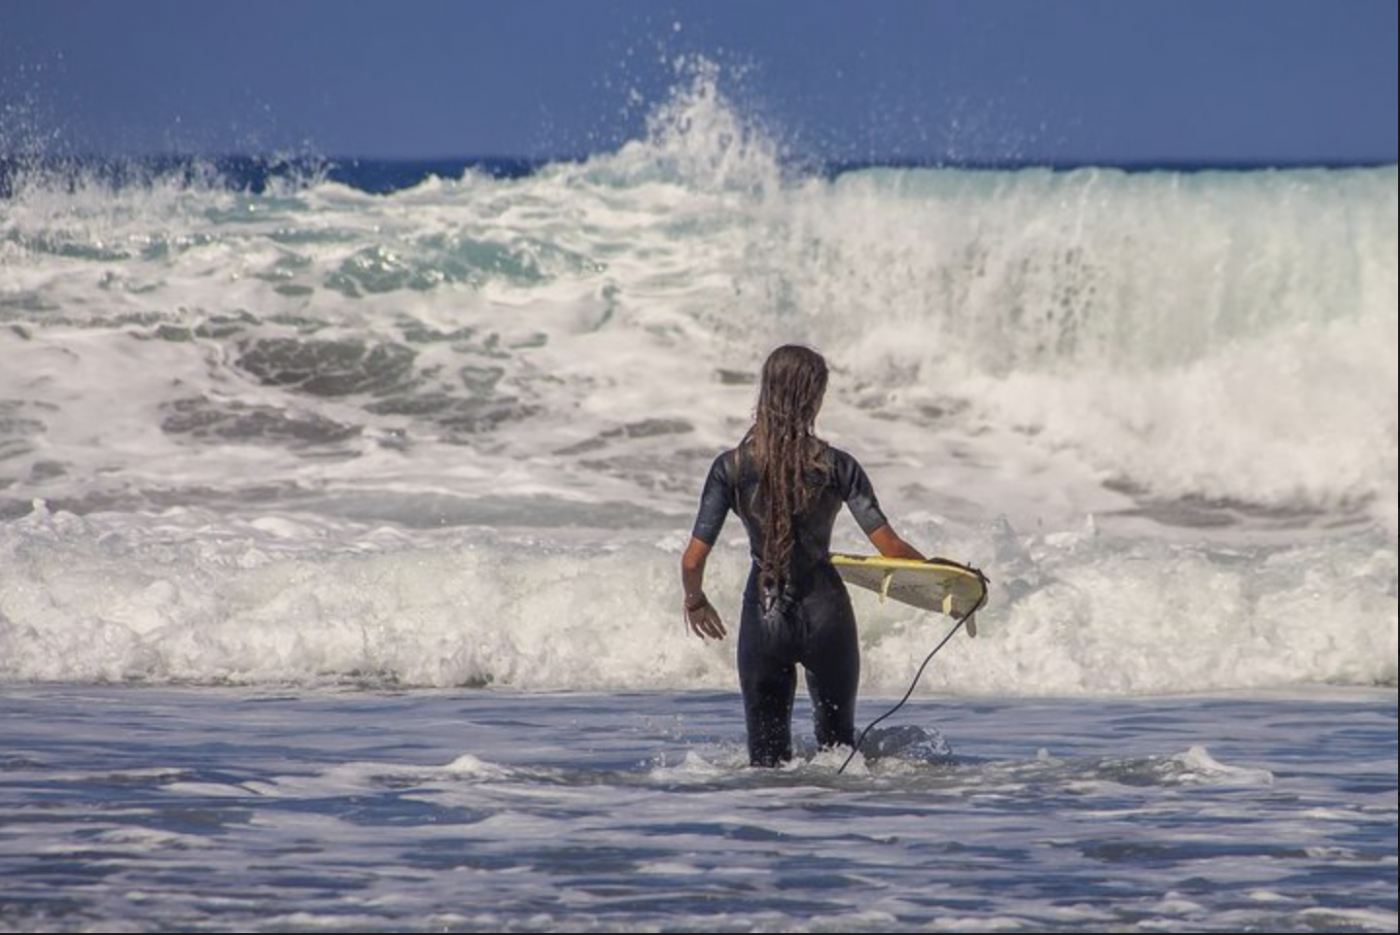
786,452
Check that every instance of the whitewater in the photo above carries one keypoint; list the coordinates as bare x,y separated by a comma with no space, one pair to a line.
373,503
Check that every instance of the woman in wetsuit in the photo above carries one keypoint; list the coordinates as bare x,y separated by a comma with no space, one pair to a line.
787,486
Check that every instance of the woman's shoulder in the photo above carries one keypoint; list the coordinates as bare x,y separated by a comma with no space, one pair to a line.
840,456
725,462
845,468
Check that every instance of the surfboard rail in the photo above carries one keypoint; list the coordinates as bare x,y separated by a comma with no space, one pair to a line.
937,584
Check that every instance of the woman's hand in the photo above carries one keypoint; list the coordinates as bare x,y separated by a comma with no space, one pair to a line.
703,619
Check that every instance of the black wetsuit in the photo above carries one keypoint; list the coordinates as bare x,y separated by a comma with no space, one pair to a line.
810,622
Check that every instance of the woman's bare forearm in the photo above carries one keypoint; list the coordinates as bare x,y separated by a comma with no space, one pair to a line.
890,545
693,570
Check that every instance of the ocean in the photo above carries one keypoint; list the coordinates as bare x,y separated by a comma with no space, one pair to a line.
341,508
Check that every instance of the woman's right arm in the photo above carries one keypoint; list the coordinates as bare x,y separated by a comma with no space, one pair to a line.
892,546
860,499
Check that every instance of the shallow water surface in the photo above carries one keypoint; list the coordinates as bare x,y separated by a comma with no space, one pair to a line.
225,809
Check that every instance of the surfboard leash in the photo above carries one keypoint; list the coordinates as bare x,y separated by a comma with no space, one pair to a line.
981,602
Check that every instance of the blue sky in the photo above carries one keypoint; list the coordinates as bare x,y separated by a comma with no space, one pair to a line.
1052,81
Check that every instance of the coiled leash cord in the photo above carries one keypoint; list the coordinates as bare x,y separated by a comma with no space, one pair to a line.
981,602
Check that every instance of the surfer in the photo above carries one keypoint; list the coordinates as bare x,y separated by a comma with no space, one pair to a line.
787,486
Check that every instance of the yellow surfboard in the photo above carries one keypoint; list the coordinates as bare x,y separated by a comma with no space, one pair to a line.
937,584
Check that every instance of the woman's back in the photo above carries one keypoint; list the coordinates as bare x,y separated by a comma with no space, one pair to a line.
835,478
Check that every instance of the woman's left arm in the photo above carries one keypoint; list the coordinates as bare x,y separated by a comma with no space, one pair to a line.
700,615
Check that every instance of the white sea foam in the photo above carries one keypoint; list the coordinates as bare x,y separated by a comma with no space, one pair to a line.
454,434
102,599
